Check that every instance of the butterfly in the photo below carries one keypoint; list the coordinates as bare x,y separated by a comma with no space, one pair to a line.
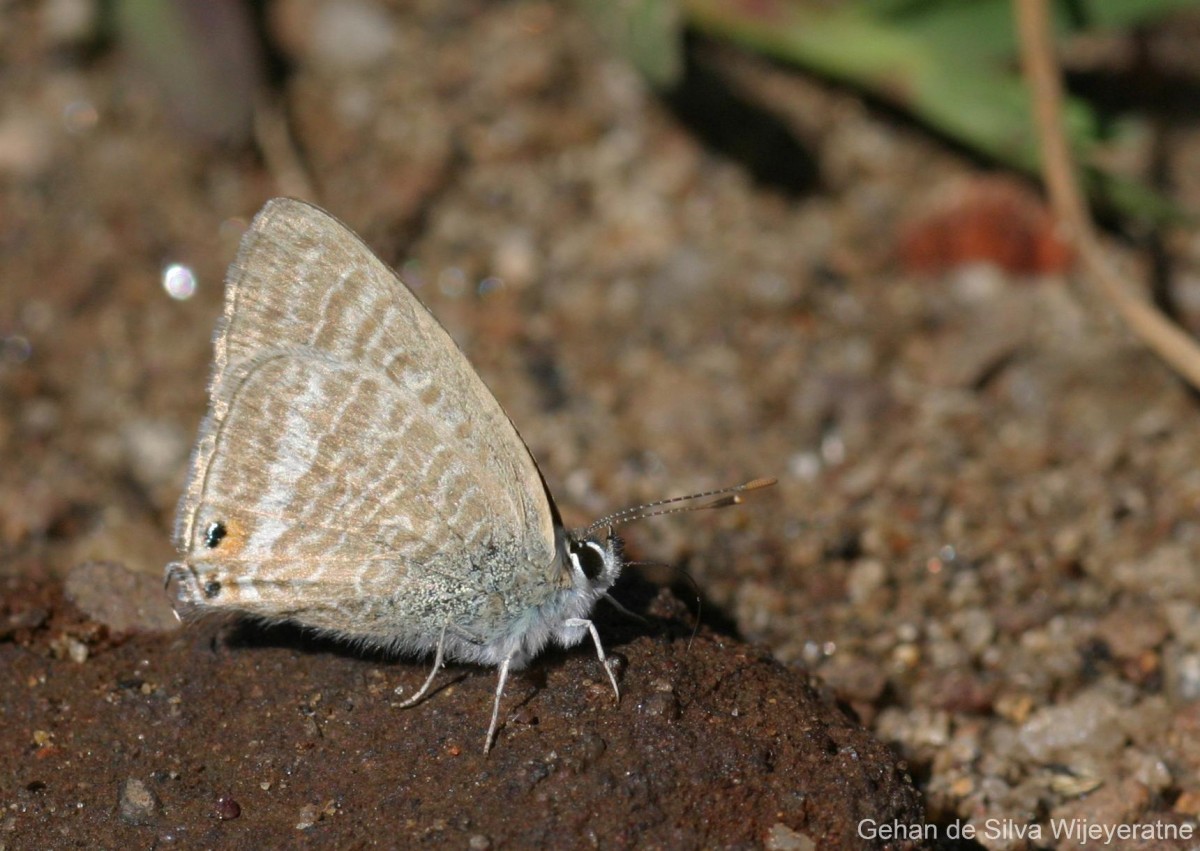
354,475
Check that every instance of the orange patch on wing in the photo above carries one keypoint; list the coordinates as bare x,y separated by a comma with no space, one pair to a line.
231,541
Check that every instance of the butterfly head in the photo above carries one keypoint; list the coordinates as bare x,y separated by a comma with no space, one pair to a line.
595,561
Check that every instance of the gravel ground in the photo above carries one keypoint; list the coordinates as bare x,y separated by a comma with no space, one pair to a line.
983,541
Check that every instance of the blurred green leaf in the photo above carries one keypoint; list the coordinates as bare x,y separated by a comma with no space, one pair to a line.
984,29
648,33
951,63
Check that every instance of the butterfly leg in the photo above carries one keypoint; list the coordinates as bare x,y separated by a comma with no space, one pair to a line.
612,678
437,666
491,733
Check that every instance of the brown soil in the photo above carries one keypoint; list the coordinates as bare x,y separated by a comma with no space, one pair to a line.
983,541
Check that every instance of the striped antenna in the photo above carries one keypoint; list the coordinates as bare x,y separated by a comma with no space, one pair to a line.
724,498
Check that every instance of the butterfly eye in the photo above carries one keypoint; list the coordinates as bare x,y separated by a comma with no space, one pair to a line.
589,556
213,535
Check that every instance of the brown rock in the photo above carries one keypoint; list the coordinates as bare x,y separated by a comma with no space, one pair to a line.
119,598
749,754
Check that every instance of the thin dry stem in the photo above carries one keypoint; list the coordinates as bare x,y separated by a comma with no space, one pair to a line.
1162,336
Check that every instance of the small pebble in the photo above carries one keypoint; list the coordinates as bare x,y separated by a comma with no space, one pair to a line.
662,704
227,808
77,651
310,814
1183,676
121,598
782,838
1088,724
138,804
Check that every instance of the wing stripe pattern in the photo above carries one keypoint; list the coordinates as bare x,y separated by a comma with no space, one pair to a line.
351,457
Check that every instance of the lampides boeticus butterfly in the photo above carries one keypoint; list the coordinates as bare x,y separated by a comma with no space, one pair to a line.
354,475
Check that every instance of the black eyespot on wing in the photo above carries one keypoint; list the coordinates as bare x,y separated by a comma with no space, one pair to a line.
213,534
212,588
591,561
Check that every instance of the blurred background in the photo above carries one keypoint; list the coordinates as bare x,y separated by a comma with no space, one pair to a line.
686,243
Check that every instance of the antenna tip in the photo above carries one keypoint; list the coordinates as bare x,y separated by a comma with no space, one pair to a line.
734,494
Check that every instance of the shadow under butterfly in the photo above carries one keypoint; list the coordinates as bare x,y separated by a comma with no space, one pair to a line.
354,475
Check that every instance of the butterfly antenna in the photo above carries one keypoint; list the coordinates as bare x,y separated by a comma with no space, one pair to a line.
724,498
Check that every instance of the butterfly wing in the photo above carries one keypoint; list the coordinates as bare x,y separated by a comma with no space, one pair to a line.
350,453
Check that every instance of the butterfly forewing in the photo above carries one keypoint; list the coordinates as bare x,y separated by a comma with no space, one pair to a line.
348,441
